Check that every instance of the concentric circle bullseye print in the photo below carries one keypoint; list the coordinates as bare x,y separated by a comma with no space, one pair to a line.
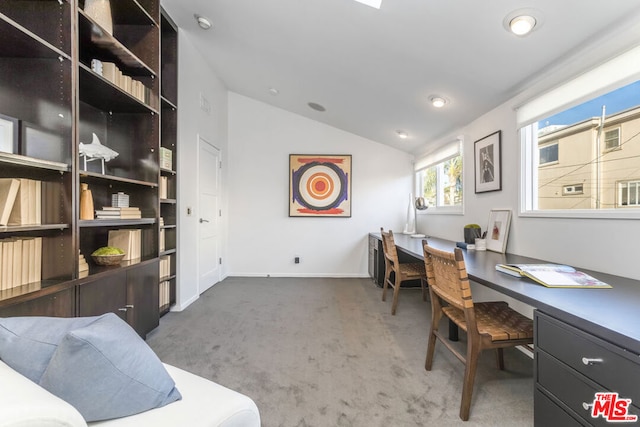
320,186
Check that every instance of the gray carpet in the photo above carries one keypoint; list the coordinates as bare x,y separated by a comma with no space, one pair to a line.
327,352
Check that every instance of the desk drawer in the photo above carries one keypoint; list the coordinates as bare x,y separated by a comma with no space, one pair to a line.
549,414
612,368
571,388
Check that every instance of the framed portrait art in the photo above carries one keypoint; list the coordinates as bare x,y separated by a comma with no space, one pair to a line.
8,134
488,163
319,185
498,230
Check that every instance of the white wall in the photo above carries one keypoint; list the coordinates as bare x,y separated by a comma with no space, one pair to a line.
195,78
263,239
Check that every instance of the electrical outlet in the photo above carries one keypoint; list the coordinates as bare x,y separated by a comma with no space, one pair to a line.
297,260
189,211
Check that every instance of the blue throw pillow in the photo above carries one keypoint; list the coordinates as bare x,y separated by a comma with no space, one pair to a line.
105,370
27,343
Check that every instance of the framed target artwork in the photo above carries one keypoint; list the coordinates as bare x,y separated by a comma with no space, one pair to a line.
319,185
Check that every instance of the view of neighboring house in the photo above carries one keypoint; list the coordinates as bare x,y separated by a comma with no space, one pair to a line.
589,166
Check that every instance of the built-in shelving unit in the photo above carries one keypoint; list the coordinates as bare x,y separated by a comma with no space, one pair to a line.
51,91
169,141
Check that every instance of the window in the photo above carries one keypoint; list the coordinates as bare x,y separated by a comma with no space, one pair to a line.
582,140
629,193
569,190
549,154
612,139
439,179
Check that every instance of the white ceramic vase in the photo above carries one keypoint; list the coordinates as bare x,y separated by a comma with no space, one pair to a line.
100,11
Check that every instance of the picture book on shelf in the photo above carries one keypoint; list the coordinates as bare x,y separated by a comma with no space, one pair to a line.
552,275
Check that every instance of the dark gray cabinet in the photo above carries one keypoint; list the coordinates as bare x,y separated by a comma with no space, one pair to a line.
571,365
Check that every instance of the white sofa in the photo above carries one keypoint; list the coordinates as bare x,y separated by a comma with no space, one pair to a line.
204,404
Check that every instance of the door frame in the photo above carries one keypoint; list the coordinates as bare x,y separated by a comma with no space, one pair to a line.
202,140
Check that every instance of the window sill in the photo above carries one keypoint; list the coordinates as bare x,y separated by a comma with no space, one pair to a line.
622,213
443,210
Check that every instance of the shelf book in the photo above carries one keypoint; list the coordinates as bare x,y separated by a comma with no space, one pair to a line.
20,262
127,240
552,275
8,192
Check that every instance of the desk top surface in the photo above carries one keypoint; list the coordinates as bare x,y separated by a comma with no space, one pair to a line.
611,314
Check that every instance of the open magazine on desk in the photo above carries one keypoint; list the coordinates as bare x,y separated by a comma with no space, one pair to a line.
553,275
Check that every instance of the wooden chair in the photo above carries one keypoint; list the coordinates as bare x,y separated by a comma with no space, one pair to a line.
489,325
402,272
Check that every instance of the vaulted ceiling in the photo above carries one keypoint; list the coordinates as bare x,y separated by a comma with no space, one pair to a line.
375,70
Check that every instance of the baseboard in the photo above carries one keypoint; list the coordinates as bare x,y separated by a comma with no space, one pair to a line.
187,303
309,275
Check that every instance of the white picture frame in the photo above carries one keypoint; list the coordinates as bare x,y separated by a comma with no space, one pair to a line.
8,134
498,230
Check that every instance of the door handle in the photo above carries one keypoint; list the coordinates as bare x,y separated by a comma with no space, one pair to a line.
203,220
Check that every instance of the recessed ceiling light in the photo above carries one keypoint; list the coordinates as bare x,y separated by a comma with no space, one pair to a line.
402,134
521,25
438,101
273,91
316,107
203,22
521,22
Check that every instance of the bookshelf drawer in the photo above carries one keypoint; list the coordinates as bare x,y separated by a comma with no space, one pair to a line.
611,367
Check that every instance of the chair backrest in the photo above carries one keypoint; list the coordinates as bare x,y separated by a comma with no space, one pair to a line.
389,247
447,276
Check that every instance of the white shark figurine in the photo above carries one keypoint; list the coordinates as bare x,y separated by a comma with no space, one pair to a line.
96,151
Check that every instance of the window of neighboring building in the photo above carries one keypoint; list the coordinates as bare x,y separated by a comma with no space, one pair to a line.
594,140
612,139
439,179
629,193
548,154
569,190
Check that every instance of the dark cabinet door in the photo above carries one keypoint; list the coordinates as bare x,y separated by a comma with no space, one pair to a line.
142,298
58,304
104,295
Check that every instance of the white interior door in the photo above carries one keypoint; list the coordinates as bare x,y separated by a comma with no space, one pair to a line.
209,213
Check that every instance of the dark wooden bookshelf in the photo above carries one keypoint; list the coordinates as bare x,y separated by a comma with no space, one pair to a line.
47,47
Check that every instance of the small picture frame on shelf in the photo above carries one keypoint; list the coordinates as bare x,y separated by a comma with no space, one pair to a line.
36,141
488,163
9,134
498,230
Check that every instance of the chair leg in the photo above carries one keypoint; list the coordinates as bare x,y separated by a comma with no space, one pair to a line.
396,292
387,275
469,378
500,358
436,315
424,289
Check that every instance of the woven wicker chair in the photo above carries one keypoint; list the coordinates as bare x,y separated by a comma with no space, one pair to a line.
489,325
402,272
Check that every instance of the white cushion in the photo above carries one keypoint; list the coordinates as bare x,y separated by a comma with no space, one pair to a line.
204,404
23,403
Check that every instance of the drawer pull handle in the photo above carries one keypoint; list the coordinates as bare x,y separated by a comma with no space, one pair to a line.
588,361
123,309
587,406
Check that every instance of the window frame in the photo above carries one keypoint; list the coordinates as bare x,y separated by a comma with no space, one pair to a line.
617,146
619,195
549,145
439,208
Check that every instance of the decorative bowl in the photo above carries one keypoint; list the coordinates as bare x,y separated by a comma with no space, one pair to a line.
108,259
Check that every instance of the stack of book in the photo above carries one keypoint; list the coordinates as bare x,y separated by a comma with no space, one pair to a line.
111,72
83,267
20,262
165,266
130,241
110,212
165,294
163,188
20,201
